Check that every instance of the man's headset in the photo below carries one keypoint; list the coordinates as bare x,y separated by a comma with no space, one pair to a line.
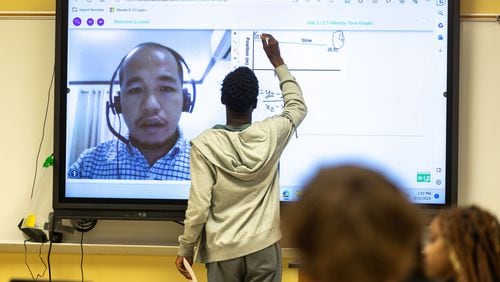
114,102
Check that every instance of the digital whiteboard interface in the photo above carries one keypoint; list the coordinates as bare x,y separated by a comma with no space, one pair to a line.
373,73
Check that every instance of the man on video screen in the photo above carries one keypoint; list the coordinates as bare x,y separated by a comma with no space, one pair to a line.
151,100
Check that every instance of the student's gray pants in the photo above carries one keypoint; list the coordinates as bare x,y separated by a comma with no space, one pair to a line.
261,266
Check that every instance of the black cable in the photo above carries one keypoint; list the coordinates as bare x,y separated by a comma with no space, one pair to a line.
81,251
51,239
26,260
117,148
41,259
43,133
39,256
48,260
84,225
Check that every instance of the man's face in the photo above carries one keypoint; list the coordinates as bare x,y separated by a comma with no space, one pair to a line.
436,254
151,97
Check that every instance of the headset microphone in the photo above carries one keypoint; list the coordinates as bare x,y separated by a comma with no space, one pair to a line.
110,126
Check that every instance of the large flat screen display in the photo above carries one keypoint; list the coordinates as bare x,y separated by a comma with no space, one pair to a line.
378,76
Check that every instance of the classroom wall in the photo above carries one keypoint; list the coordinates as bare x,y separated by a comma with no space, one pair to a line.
27,52
479,131
479,6
28,5
106,268
27,63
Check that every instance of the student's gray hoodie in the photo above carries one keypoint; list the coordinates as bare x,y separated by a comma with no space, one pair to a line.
233,207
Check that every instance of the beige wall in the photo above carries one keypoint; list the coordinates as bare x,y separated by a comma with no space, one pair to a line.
27,59
479,121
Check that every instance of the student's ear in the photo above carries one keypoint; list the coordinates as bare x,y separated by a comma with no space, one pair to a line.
255,104
222,100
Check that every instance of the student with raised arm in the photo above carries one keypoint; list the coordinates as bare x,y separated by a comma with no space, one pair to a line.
233,213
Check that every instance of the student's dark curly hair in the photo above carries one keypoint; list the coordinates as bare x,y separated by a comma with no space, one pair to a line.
474,236
240,89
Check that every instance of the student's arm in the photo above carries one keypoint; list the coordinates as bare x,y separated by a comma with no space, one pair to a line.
295,108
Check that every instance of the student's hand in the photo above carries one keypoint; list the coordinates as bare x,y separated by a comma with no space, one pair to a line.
179,263
272,49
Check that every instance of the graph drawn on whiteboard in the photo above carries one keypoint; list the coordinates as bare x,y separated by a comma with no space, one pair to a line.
316,55
304,51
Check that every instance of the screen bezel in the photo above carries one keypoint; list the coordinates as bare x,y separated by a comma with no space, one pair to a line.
149,209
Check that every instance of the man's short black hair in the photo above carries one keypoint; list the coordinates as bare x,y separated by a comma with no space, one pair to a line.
240,89
155,46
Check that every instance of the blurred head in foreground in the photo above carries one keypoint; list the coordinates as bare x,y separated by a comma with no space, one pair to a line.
353,224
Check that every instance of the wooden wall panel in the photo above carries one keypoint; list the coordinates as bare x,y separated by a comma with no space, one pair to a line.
28,5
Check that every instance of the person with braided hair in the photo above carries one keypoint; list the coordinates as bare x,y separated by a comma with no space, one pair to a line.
233,212
464,246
